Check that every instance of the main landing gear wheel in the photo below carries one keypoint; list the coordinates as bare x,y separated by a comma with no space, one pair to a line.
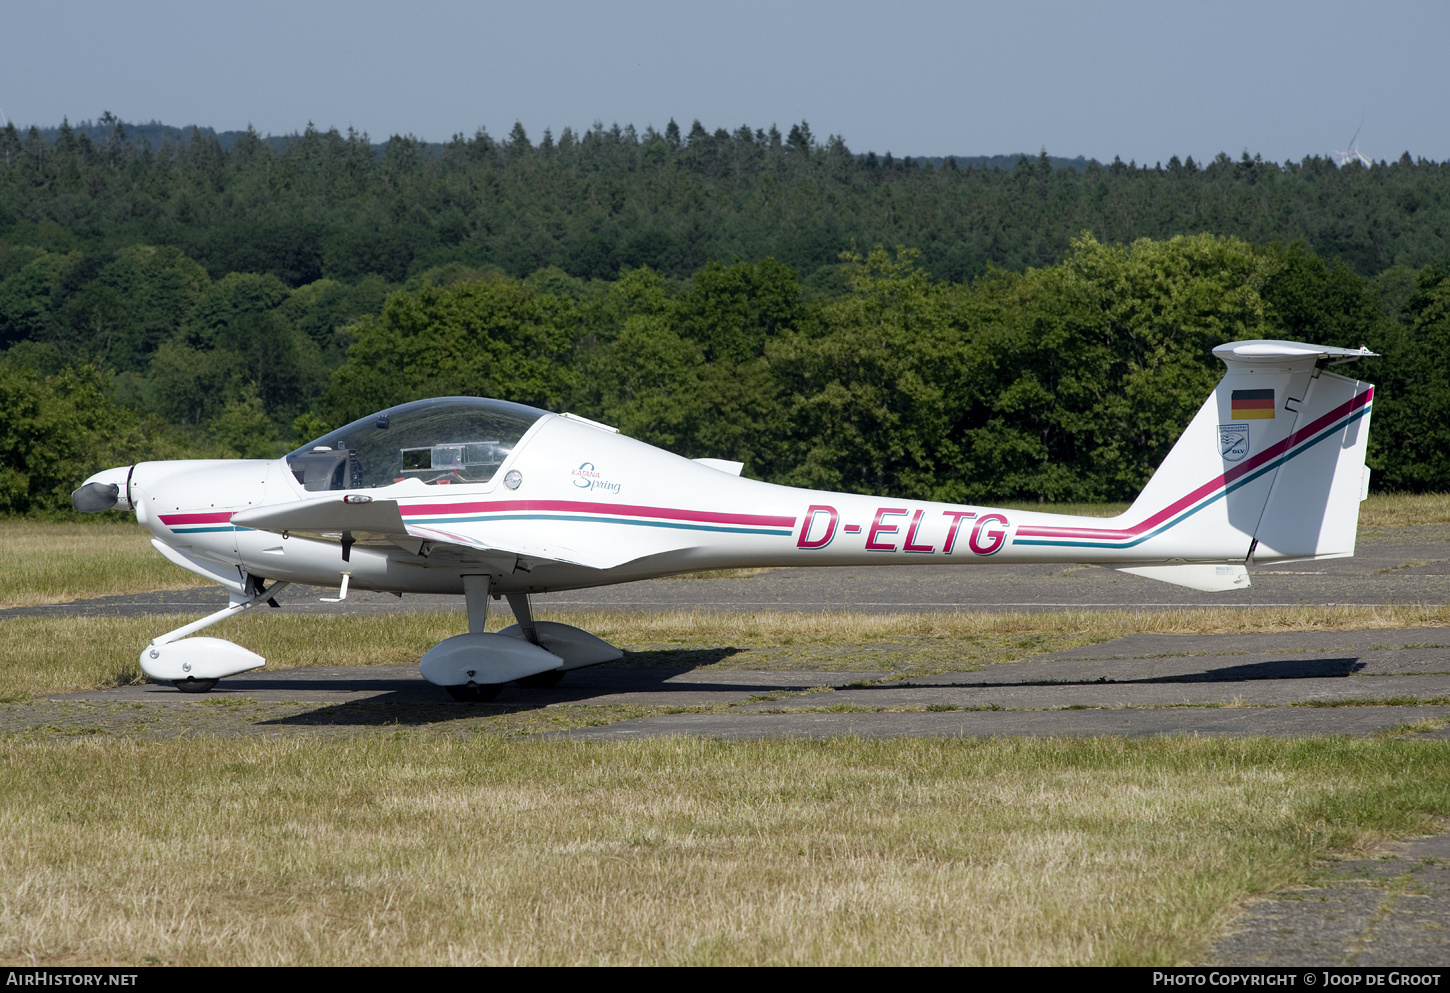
542,680
475,692
194,685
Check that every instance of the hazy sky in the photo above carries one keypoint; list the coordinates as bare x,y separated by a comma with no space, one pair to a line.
1141,80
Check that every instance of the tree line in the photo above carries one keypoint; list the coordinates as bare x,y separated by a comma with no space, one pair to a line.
1045,337
1067,381
594,203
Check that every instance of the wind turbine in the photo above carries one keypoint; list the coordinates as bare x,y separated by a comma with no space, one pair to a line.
1354,152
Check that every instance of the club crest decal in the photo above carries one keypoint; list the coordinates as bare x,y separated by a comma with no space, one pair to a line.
1233,441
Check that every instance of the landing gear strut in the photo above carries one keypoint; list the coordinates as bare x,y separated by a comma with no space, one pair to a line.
531,653
474,666
519,604
194,665
475,692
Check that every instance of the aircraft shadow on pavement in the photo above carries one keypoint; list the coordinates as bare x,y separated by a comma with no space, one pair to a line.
1282,669
1286,669
400,710
671,658
414,702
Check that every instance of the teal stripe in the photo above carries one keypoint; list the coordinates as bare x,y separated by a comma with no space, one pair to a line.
219,527
493,518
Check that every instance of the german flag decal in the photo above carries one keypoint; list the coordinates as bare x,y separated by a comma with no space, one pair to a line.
1251,405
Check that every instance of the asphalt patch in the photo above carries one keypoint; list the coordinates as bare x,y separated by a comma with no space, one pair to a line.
1389,909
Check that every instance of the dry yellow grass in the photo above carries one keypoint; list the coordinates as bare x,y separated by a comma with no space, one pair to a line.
404,849
44,562
1391,509
401,850
1088,625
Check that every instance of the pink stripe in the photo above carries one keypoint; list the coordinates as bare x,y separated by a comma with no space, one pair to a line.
1268,454
217,518
574,507
447,534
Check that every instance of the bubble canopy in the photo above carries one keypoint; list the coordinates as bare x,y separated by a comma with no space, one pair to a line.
440,441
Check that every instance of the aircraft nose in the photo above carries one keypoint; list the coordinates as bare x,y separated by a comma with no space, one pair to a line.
103,491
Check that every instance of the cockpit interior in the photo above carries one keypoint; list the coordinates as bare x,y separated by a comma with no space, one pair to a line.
437,442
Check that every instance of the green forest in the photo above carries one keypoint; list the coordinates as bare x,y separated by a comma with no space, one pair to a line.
939,328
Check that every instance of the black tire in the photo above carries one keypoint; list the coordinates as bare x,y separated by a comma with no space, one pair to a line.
542,680
475,692
194,685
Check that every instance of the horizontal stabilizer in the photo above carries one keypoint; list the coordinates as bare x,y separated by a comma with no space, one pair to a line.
1263,352
1196,576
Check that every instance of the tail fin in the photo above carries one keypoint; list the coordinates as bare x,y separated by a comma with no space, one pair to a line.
1271,469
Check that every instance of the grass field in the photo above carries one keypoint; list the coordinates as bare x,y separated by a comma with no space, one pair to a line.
47,562
402,850
1391,509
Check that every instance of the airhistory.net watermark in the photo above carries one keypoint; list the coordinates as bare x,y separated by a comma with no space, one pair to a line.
50,977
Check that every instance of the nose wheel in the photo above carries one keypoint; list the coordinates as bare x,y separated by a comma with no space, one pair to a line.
194,685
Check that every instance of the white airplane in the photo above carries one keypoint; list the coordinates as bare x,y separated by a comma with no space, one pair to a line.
487,498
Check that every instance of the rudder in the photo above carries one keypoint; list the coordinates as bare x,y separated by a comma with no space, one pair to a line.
1271,468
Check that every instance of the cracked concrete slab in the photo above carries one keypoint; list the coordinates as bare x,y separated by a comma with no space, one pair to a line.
1389,909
